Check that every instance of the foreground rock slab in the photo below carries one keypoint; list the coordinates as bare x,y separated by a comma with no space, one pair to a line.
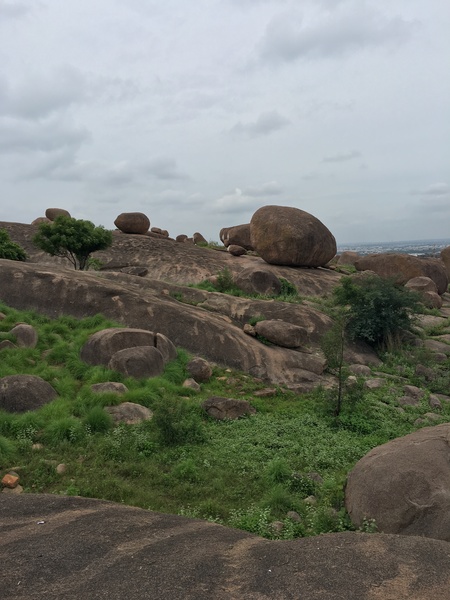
66,547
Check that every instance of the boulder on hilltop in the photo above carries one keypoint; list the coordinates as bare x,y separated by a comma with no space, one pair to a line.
133,222
284,235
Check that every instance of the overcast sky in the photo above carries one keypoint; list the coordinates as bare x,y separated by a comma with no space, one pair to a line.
198,113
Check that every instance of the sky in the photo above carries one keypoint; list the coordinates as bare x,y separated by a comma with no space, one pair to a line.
198,113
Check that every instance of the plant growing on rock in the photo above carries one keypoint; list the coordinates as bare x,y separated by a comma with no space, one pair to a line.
10,250
74,239
379,310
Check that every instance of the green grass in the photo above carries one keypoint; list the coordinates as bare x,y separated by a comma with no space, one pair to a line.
246,473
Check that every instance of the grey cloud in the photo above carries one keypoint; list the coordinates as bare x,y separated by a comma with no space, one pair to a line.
38,96
344,157
354,26
17,136
271,188
13,10
265,124
433,190
163,168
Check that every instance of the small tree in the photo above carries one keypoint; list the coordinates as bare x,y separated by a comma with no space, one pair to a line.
379,309
73,239
333,346
9,249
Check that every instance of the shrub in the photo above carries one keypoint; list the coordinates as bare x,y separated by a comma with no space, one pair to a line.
10,250
225,281
98,420
379,310
178,424
73,239
287,288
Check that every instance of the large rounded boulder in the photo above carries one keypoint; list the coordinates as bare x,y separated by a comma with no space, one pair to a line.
258,280
284,235
404,485
133,222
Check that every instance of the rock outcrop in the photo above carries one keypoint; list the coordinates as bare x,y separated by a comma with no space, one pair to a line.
403,267
52,213
72,548
283,235
239,235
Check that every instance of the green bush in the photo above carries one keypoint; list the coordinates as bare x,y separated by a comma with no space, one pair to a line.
10,250
225,281
379,310
73,239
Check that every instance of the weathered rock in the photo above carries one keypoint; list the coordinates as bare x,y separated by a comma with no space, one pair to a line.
348,258
199,369
288,236
181,238
227,408
109,387
403,267
413,391
404,485
191,384
212,328
10,480
236,250
132,222
26,335
189,559
7,344
238,235
431,300
421,284
101,346
199,239
257,280
13,491
375,384
362,370
139,362
52,213
434,402
425,372
282,333
129,413
445,257
40,220
20,393
437,346
138,271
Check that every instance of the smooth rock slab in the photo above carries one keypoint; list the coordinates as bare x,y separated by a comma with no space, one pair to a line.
93,549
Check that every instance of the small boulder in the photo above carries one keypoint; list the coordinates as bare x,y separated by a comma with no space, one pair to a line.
53,213
129,413
199,239
133,222
227,408
360,370
236,250
26,335
199,369
20,393
109,387
238,235
139,362
191,384
181,238
40,220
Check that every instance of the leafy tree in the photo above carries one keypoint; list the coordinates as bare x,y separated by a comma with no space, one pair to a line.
9,249
73,239
379,310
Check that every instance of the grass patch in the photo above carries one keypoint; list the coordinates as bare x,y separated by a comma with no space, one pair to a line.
246,473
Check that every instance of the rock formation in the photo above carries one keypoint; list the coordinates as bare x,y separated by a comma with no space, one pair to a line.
283,235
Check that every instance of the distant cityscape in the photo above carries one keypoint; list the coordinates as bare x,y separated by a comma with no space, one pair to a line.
414,247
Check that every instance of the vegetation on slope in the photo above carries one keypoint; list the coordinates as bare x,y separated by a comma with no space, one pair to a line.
293,455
